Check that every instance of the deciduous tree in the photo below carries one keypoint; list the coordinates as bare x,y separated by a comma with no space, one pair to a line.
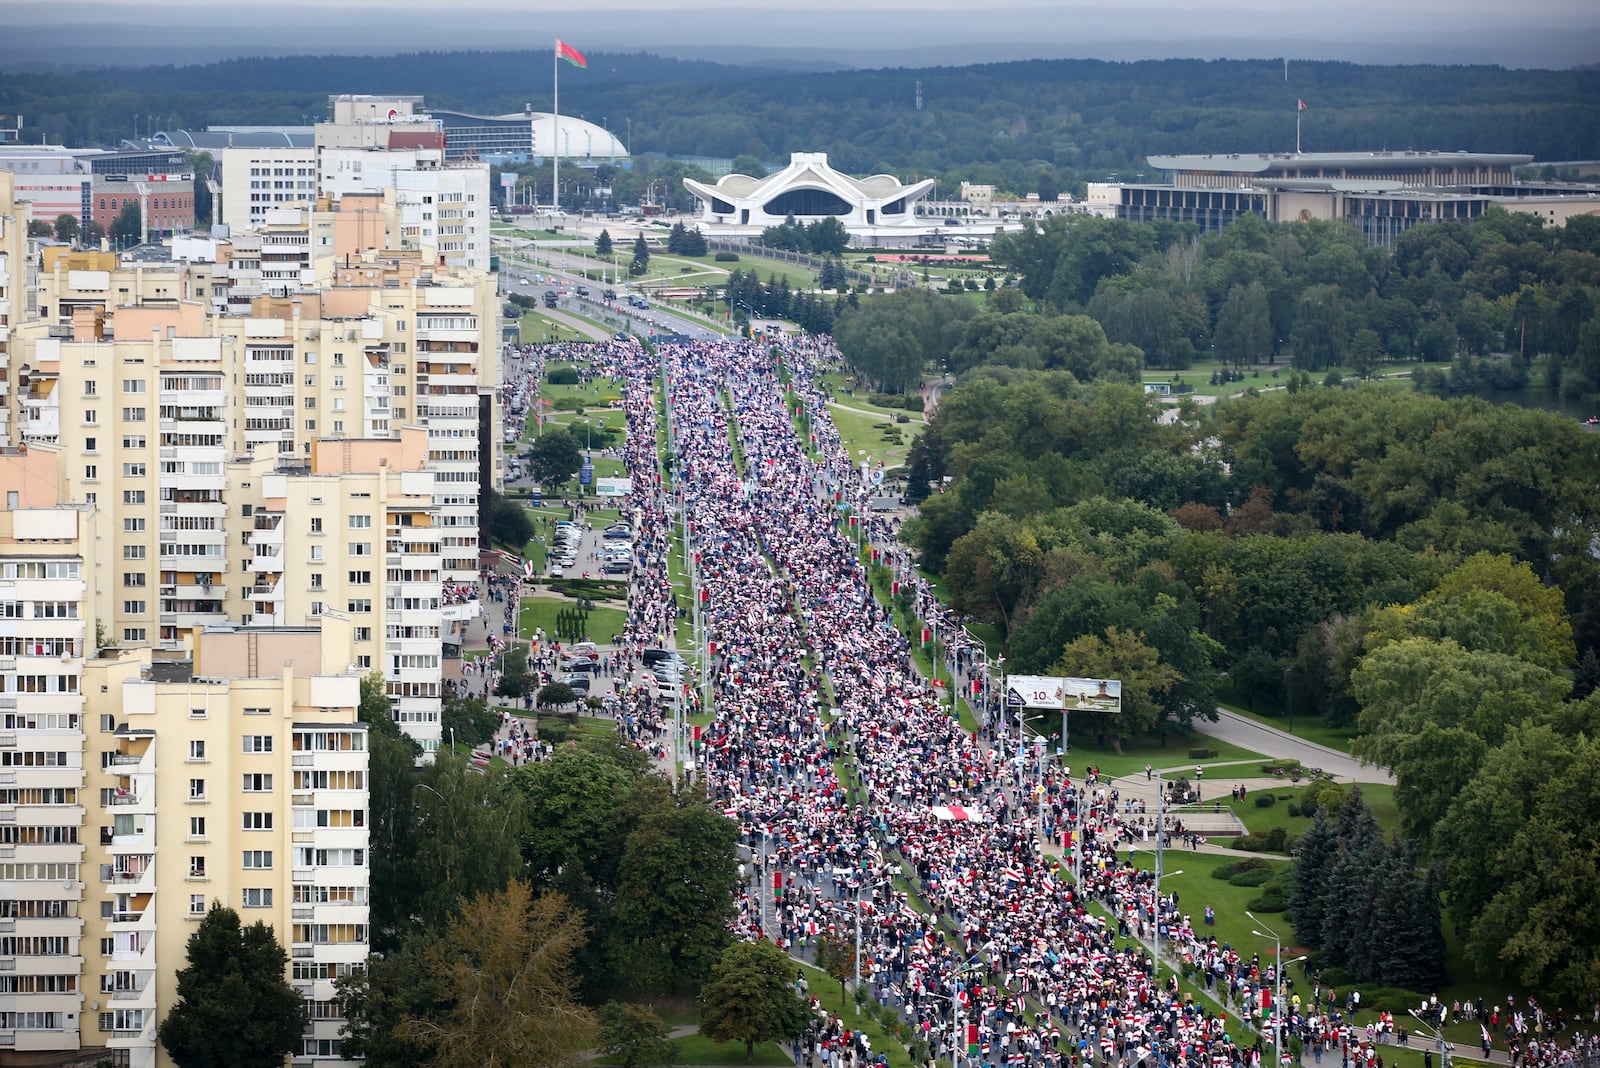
751,997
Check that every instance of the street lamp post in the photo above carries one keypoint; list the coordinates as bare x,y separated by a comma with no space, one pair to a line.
1277,1003
1438,1037
1158,902
955,1004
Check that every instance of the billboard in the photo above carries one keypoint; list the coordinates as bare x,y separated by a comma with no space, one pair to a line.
1064,694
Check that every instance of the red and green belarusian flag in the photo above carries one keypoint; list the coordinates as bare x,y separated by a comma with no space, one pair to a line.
570,54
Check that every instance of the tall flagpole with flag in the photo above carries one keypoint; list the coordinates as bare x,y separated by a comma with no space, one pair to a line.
1297,112
575,57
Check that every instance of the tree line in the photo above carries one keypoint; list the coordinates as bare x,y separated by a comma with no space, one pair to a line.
1033,126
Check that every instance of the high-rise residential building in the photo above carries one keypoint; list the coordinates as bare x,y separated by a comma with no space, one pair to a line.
235,774
138,787
44,632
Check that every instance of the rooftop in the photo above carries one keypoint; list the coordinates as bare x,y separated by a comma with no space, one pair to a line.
1259,163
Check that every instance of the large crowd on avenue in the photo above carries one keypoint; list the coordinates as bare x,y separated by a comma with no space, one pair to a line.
999,960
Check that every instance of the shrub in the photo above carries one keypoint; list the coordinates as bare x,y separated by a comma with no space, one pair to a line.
1323,793
726,257
913,402
562,376
1294,810
1228,871
887,400
902,419
1274,899
1273,841
1254,877
1202,753
1265,800
568,404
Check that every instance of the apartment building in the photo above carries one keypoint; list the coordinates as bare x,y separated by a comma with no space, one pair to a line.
236,774
14,216
353,533
45,626
257,180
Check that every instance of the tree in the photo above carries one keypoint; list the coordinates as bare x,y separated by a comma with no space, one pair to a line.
509,522
506,967
464,838
1365,354
675,899
555,694
751,997
93,234
515,679
377,999
836,955
468,720
602,244
554,457
235,1005
39,228
641,256
1121,654
66,228
125,227
1243,336
635,1035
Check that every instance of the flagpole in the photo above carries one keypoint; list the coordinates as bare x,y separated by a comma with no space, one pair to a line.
555,131
1297,110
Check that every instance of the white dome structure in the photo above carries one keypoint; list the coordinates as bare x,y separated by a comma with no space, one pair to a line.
527,134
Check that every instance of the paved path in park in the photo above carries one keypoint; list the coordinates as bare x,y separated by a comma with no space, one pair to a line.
1258,737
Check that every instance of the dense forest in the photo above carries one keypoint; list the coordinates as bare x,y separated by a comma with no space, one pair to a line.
1025,126
1416,568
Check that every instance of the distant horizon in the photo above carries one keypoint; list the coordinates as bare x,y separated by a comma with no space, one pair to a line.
1549,34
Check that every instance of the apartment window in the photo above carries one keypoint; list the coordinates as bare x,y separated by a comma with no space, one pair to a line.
316,580
133,385
316,524
360,548
133,525
363,634
133,635
133,579
311,424
316,552
258,859
133,496
360,522
133,441
197,749
90,416
257,821
91,472
338,426
133,470
197,904
258,743
338,381
257,783
256,898
91,444
133,552
197,789
316,608
108,723
133,415
133,608
360,578
311,403
197,826
197,867
364,662
311,381
358,606
197,713
108,946
91,387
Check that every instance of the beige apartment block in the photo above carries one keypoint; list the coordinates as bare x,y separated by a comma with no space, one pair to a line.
234,774
353,535
45,628
14,217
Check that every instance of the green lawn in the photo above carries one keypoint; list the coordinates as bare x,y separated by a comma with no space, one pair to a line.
538,329
1308,727
698,1049
864,433
1137,752
537,612
1259,820
1196,889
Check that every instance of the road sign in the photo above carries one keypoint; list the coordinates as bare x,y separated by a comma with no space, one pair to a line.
585,474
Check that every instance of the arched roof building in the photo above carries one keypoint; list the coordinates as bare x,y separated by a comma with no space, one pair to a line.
809,189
